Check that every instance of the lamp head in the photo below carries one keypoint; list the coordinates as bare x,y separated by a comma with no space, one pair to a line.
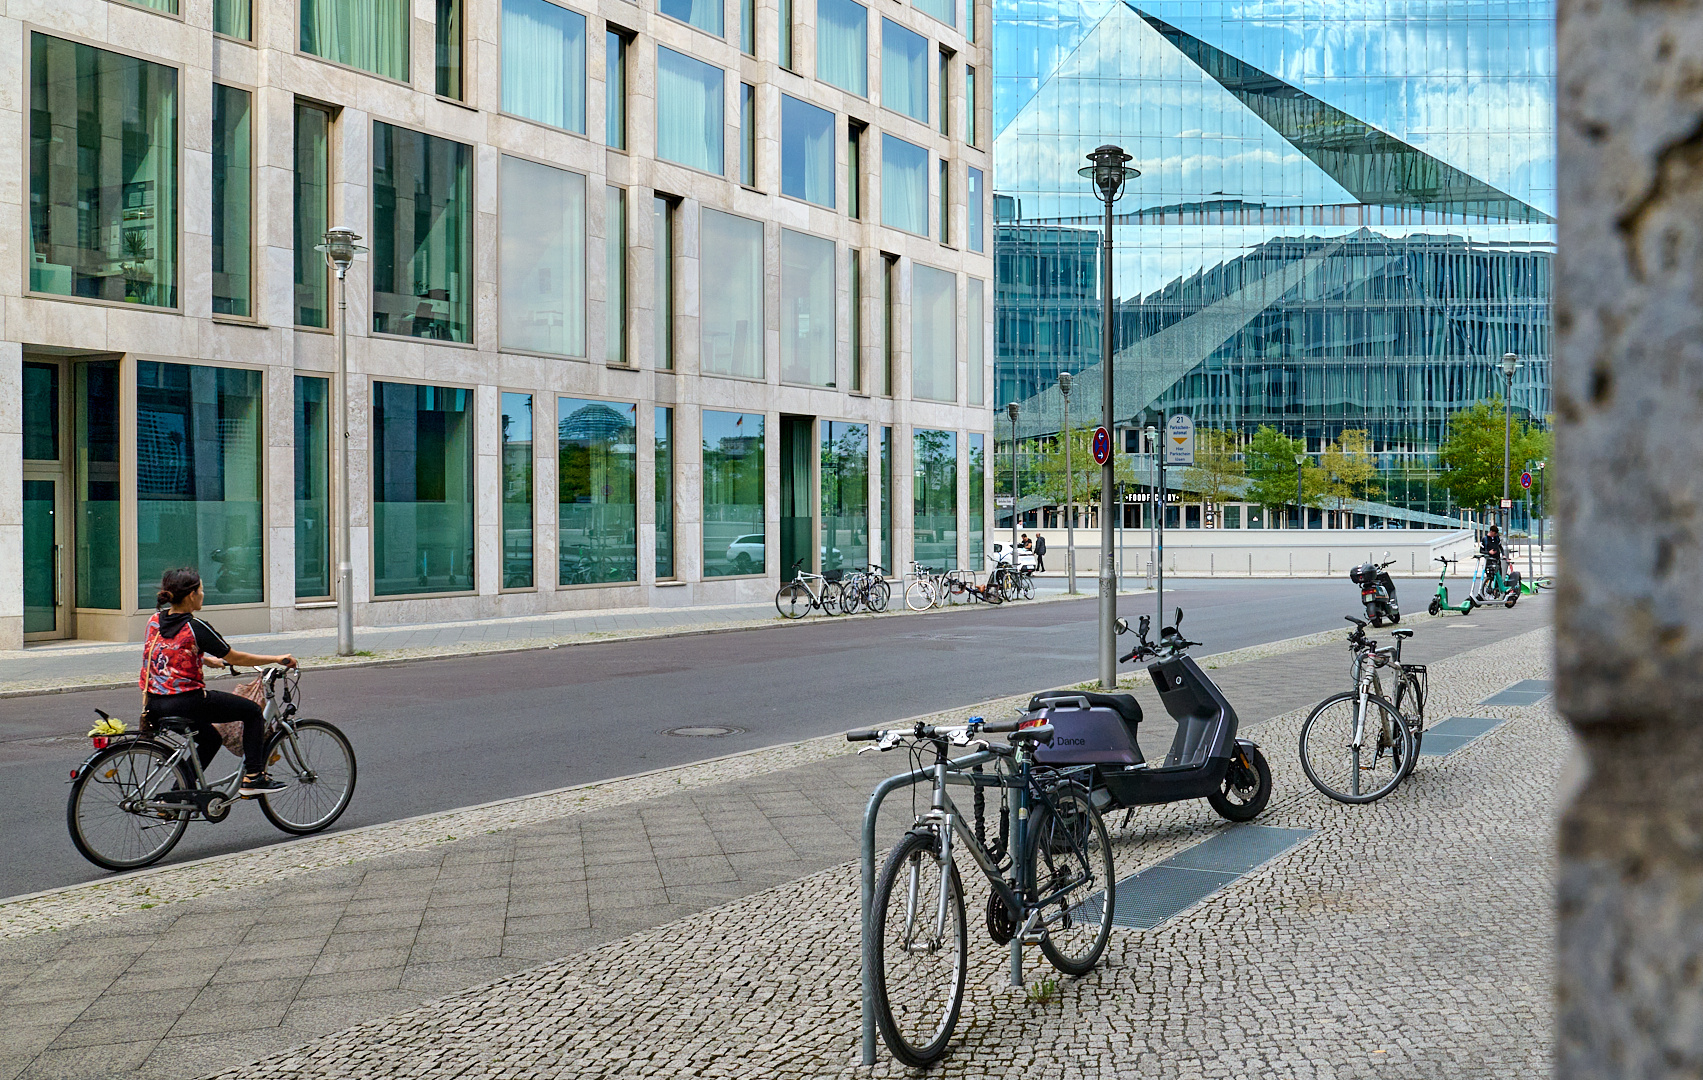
340,247
1300,459
1108,171
1011,410
1510,361
1064,383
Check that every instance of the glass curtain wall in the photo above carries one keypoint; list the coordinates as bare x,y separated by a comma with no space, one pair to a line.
597,491
934,337
544,63
233,18
842,45
517,490
688,111
975,350
934,497
422,489
448,49
312,201
663,491
904,71
807,151
845,494
731,291
368,34
97,484
198,479
541,276
313,487
233,205
734,533
103,175
904,185
615,275
422,258
807,309
976,517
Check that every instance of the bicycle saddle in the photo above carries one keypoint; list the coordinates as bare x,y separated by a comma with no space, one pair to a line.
180,724
1124,705
1404,632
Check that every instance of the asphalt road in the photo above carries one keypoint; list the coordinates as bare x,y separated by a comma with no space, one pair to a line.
435,735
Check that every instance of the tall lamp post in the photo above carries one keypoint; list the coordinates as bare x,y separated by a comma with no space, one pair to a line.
1542,510
1069,484
1109,173
1151,433
1011,411
340,248
1300,504
1510,362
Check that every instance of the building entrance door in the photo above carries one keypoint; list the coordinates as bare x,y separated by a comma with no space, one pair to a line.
46,520
798,494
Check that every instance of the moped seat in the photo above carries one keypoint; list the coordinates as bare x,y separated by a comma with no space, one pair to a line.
1124,705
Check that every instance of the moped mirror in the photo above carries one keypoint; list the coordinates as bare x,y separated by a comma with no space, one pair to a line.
1122,625
1178,621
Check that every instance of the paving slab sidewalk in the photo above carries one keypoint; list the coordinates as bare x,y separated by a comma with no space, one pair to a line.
374,923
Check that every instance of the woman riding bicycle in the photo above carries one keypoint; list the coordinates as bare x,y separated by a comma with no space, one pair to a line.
177,646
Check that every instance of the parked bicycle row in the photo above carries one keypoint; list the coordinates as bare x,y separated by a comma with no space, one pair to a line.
841,592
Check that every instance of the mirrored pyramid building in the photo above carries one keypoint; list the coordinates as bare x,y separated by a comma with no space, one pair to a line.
1344,217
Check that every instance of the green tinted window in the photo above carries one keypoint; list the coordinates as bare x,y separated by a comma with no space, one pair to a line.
313,487
422,258
422,489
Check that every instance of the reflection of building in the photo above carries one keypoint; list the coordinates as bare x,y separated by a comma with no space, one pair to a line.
1330,232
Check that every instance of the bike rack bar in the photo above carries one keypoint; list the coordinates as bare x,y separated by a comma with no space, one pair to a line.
882,790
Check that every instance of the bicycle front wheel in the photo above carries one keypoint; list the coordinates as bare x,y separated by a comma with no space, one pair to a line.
319,765
921,950
1027,588
878,595
919,594
1069,862
1355,762
108,824
793,601
834,597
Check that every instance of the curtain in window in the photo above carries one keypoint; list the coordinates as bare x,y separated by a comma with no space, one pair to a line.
842,45
944,10
703,14
730,286
688,111
904,70
542,272
368,34
904,185
807,309
934,334
544,63
807,152
232,18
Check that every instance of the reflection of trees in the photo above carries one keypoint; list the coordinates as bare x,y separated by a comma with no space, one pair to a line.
845,491
733,472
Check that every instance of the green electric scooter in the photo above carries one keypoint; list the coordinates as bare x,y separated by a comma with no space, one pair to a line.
1440,602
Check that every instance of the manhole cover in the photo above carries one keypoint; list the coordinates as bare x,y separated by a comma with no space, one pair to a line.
703,732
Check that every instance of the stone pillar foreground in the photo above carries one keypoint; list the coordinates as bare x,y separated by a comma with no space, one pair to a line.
1629,414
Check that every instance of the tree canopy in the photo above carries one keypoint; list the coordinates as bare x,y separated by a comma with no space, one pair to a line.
1471,454
1048,472
1217,472
1270,462
1346,469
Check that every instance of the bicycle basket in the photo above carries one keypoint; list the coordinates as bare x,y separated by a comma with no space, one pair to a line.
833,575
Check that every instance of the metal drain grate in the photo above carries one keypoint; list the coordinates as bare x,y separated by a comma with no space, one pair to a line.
704,732
1524,692
1149,897
1454,733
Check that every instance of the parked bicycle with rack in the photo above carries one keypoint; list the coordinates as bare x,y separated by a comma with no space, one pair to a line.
866,589
1050,872
808,592
1356,746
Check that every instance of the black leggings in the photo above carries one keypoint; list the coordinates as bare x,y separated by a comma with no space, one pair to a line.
208,707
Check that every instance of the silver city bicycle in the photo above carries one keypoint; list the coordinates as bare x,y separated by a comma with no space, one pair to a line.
1356,746
808,592
132,799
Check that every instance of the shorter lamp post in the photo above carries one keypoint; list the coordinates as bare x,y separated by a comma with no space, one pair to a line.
1510,363
1069,485
1011,411
340,247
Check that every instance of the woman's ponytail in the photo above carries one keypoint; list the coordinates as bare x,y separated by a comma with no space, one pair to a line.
177,584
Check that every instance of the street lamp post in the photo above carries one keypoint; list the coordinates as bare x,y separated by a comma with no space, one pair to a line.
1541,511
340,247
1300,504
1109,172
1151,434
1069,485
1510,362
1011,411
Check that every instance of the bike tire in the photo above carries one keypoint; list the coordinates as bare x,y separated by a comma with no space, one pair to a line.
879,595
1027,590
919,595
1410,703
106,834
833,597
1246,788
319,766
917,1006
793,601
1068,841
1334,765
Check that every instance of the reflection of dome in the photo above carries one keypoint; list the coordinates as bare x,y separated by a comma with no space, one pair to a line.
595,422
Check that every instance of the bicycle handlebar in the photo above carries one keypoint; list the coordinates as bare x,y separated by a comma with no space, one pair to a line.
863,735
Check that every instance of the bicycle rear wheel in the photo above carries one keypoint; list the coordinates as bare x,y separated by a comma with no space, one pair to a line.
877,597
1070,853
1410,703
833,597
921,950
1026,588
319,765
107,825
919,594
793,601
1350,771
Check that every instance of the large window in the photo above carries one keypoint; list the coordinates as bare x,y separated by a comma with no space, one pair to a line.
944,10
975,340
233,202
544,63
845,494
807,309
977,510
662,250
974,210
517,491
842,45
103,174
904,70
704,14
422,489
597,491
448,54
615,275
904,185
934,337
368,34
542,273
734,535
313,487
663,492
934,497
198,479
312,189
615,90
97,502
807,152
688,111
730,288
422,235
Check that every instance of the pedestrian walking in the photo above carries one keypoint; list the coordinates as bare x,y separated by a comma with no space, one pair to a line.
1040,554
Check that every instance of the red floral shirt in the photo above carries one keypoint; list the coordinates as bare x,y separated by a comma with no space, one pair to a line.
171,655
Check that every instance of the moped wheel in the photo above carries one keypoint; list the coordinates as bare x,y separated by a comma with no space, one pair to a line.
1351,772
1246,787
921,950
1513,598
319,766
1071,855
793,601
107,826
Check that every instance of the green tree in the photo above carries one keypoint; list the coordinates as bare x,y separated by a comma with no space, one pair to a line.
1347,469
1048,476
1270,462
1471,454
1217,472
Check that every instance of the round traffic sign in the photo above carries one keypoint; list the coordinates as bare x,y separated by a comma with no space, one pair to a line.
1102,446
1526,480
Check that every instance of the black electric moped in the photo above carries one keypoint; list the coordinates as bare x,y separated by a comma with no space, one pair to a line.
1206,759
1377,590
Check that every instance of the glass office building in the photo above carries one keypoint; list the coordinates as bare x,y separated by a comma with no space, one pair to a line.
1344,217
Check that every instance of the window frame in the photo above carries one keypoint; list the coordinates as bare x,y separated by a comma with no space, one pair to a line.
585,262
253,318
586,95
372,380
472,341
656,118
332,119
